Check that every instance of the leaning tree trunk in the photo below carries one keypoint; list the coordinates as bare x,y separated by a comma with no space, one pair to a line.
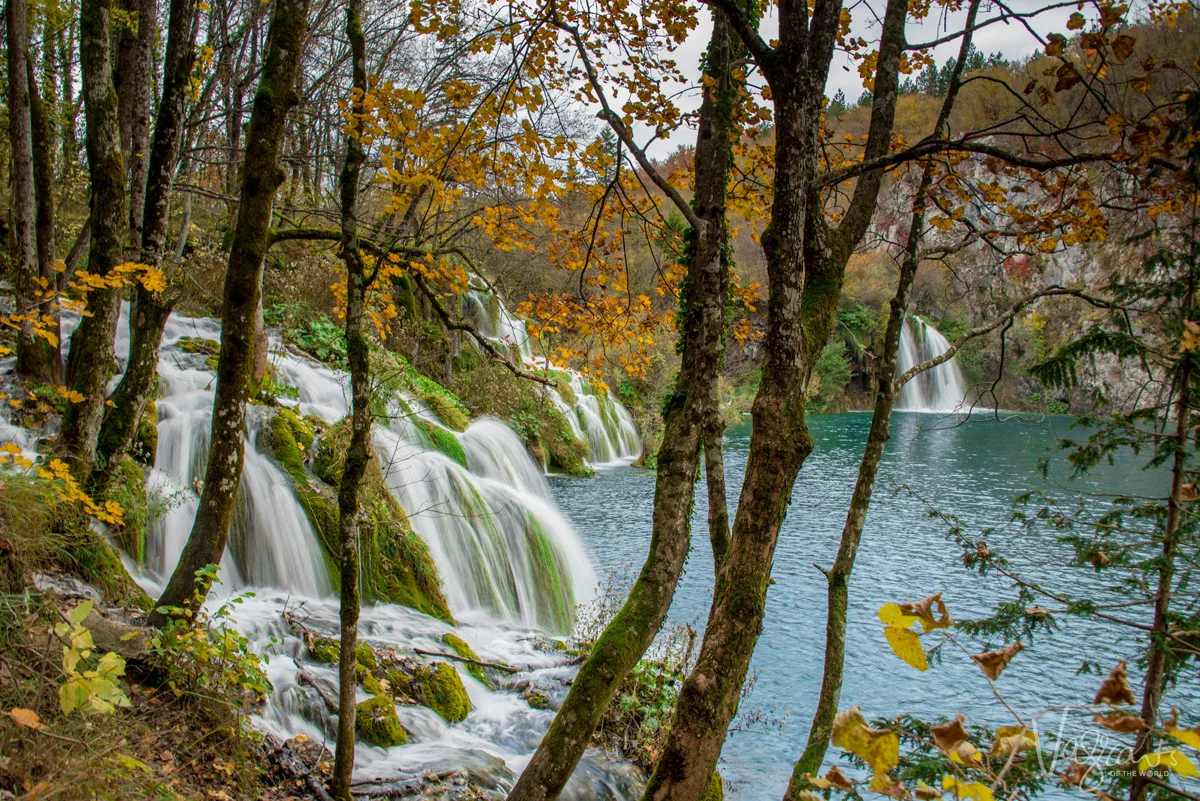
685,415
35,359
243,284
806,262
150,309
358,454
90,362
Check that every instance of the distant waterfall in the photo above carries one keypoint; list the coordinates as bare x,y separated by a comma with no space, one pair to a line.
941,389
599,419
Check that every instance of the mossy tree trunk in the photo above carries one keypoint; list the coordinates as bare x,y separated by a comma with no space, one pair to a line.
150,309
50,360
90,362
135,96
261,178
806,261
36,360
686,412
358,454
838,576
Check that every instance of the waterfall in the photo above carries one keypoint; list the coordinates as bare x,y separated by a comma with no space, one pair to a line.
597,418
941,389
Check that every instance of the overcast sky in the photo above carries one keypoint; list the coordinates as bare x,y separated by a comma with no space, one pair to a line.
1012,40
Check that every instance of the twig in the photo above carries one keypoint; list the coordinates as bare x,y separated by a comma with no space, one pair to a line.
492,665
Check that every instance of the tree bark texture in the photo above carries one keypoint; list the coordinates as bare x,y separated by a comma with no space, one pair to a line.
358,455
47,238
261,177
150,310
806,262
36,360
90,362
626,638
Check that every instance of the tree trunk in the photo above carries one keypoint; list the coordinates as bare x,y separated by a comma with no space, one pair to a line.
150,309
35,361
714,479
90,362
43,184
135,87
243,284
806,262
1161,649
358,454
626,638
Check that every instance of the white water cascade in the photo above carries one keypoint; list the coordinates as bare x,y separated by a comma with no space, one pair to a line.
940,389
598,418
510,563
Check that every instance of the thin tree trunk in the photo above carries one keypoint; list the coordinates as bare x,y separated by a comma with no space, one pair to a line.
43,183
806,262
34,360
626,638
1160,642
714,479
243,284
136,96
151,309
838,576
68,107
90,362
359,452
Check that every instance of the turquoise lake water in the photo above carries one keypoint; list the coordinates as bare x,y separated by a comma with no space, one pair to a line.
973,470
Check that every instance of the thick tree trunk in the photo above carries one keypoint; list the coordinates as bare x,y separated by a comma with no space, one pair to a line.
626,638
358,455
43,183
35,360
805,265
151,309
243,284
134,81
90,362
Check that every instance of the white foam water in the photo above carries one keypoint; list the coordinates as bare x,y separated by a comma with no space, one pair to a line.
940,389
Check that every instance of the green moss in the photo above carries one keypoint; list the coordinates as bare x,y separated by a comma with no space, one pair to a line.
715,790
128,488
324,649
442,691
145,439
396,564
537,700
444,441
364,656
464,649
95,561
552,584
368,681
447,409
378,724
209,347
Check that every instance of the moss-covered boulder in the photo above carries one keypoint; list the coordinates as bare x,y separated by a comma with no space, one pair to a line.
396,564
443,440
378,723
323,649
437,686
462,648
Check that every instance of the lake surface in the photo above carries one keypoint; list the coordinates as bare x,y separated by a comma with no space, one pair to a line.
973,470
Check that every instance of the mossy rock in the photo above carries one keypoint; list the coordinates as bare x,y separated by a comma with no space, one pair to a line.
446,407
365,656
324,649
436,686
442,691
552,583
462,648
97,563
145,439
369,682
378,724
127,487
396,564
209,347
444,441
537,700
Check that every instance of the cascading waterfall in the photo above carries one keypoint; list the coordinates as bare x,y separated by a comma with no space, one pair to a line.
598,418
940,389
508,560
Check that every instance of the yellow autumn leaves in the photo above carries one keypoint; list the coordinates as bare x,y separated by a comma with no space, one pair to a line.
897,621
